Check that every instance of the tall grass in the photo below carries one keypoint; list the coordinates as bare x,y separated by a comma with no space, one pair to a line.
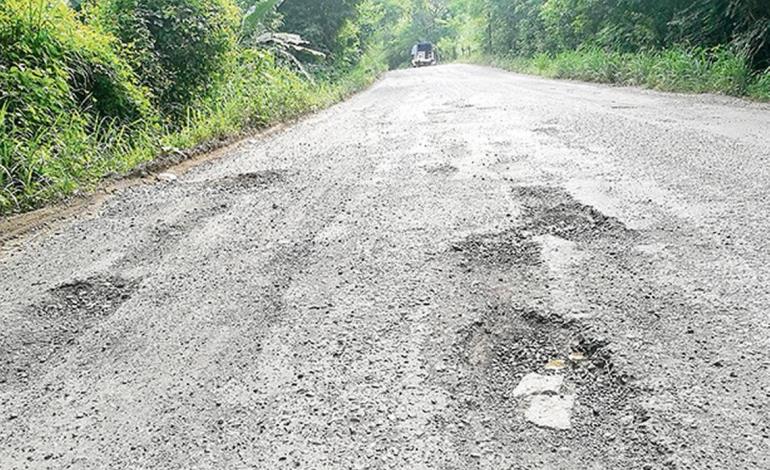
67,156
258,92
759,88
255,92
698,70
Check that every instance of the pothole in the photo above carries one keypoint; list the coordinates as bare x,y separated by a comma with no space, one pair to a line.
441,169
82,299
504,249
67,312
247,181
547,212
578,395
149,246
552,211
574,221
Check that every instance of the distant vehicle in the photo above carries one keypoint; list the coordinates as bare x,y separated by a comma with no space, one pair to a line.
424,53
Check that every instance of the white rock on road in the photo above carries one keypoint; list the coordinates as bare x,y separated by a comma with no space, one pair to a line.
534,383
554,412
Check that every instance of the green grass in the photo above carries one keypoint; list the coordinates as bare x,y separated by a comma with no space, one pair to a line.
759,88
259,93
61,159
716,70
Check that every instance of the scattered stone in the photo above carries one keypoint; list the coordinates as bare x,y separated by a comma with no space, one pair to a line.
553,412
627,420
166,177
533,384
555,364
577,357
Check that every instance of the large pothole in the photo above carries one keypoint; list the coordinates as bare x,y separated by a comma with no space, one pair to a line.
546,211
597,408
510,342
54,323
553,211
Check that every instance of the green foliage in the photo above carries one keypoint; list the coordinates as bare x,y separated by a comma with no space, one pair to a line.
180,46
51,64
318,21
255,13
700,70
58,160
257,92
528,27
63,92
760,87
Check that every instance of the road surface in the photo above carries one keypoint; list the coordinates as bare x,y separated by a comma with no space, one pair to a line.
375,286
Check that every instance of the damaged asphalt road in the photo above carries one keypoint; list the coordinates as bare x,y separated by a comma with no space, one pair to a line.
458,268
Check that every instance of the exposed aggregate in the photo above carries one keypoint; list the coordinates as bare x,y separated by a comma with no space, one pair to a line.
367,288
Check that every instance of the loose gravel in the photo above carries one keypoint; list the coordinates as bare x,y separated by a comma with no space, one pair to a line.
368,287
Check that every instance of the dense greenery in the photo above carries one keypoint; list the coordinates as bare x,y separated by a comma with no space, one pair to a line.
90,87
693,70
703,45
178,45
60,83
533,26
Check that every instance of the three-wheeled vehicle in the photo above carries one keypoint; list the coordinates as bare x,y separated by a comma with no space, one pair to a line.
424,53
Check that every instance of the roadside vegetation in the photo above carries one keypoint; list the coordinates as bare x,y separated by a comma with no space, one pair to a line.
94,87
678,69
715,46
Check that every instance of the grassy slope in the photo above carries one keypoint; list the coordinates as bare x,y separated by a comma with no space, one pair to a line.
691,71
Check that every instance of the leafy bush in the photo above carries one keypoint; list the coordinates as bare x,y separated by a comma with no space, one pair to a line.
62,88
72,109
50,64
178,45
259,91
528,27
